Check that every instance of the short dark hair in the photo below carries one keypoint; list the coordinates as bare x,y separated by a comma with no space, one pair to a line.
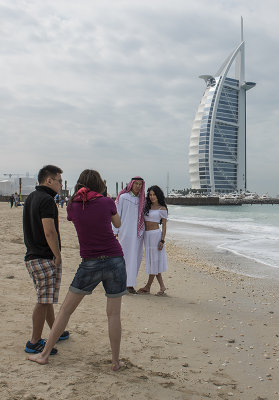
48,170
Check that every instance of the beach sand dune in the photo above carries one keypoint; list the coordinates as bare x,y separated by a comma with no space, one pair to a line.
215,336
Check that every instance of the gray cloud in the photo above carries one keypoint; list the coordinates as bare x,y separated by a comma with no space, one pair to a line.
114,85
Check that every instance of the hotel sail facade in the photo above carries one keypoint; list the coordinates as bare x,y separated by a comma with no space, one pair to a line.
217,156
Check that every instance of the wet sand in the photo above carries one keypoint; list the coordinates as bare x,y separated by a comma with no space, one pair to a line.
216,334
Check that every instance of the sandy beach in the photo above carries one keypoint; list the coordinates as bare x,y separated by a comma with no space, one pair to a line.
214,336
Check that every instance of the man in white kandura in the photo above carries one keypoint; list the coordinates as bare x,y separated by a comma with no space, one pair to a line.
130,204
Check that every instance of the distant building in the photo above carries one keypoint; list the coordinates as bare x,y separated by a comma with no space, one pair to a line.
6,187
23,185
217,156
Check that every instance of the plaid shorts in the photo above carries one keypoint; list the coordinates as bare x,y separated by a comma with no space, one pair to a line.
46,278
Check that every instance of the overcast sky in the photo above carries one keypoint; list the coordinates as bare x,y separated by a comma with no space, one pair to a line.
113,85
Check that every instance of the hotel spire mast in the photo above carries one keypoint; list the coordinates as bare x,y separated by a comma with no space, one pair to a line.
217,156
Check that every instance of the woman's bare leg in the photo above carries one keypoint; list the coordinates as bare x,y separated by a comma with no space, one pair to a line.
161,282
69,305
146,288
114,329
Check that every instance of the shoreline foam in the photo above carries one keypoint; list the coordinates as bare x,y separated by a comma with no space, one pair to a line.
221,244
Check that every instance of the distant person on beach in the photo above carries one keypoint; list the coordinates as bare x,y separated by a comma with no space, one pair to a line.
130,203
155,213
43,257
102,261
11,200
16,199
57,199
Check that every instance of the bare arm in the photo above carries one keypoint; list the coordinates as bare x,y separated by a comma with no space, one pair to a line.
52,238
116,221
164,230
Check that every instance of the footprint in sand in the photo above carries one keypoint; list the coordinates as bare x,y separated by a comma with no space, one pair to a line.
167,384
18,240
162,375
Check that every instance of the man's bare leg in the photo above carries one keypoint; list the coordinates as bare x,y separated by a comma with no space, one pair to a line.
50,315
69,305
114,328
38,320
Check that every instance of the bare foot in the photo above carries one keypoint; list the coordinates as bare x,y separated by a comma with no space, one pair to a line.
38,358
117,366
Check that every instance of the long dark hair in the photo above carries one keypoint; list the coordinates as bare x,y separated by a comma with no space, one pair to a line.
160,196
90,179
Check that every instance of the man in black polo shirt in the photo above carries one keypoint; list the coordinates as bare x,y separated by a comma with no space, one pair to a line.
43,258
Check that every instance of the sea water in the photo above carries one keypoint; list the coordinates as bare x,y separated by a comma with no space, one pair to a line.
251,231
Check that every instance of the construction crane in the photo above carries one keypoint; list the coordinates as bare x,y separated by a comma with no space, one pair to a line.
10,175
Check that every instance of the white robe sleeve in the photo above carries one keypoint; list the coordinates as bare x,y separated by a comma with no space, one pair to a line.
119,211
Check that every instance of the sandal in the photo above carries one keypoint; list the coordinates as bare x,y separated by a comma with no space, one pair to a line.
131,290
143,290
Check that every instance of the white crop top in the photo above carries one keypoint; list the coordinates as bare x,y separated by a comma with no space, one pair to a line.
156,215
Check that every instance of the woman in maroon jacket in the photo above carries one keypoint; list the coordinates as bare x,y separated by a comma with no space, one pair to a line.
102,261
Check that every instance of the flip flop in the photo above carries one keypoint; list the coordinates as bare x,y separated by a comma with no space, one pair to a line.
161,293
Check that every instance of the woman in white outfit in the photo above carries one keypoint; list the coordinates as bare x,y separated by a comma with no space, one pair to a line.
155,213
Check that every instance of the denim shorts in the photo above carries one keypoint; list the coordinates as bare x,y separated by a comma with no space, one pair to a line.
110,271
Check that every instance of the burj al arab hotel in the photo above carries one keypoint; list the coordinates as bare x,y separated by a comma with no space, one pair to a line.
217,156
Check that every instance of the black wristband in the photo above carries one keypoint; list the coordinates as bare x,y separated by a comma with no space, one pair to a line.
162,241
